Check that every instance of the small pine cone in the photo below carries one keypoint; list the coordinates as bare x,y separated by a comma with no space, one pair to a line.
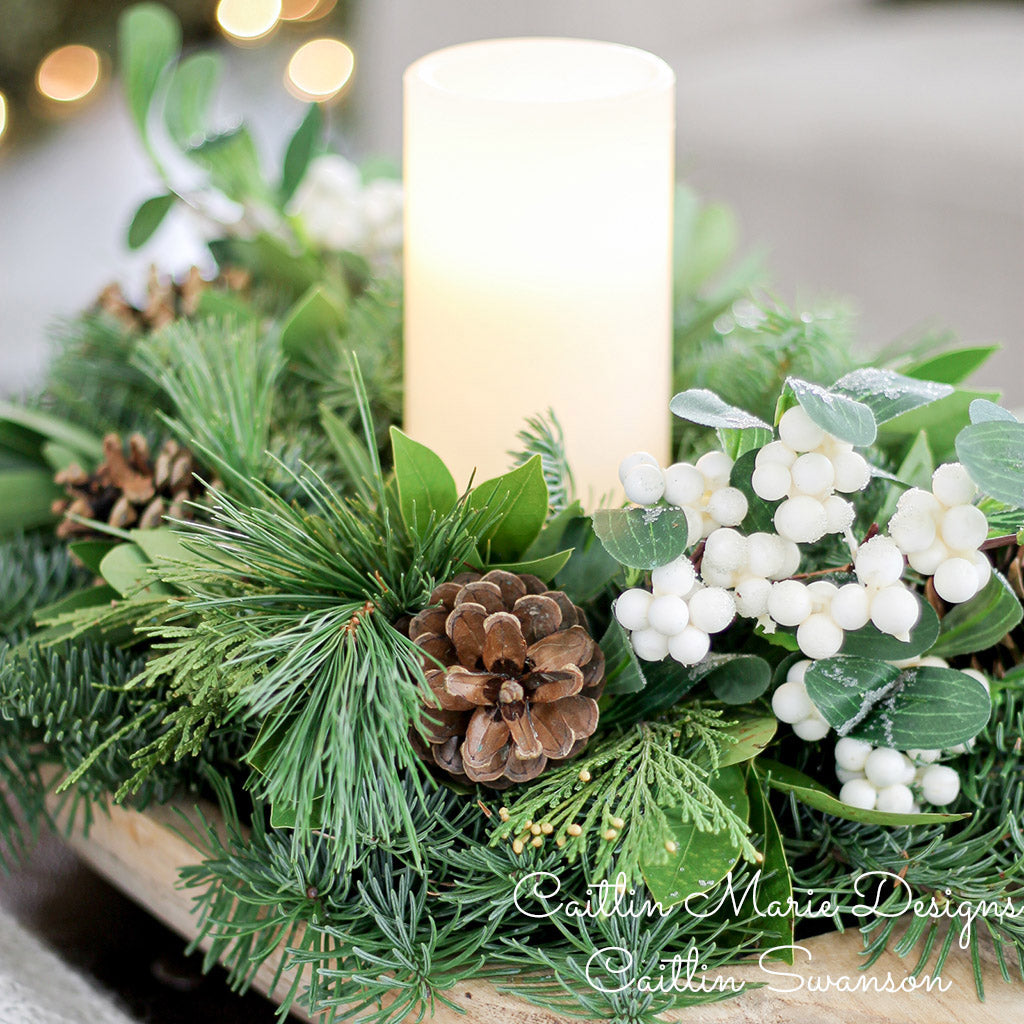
128,489
520,682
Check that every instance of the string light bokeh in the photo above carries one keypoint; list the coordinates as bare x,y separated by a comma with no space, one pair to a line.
69,73
319,70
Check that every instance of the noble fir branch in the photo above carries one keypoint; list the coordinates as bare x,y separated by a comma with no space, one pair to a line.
543,436
34,572
611,804
220,379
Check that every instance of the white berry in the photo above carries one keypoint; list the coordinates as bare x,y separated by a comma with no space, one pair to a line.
771,481
776,452
850,607
799,431
859,793
813,474
791,558
812,729
690,646
924,756
726,550
791,703
728,506
885,766
684,484
819,637
752,597
940,785
789,603
716,467
922,502
982,567
821,593
879,562
896,799
913,530
765,554
630,462
952,485
801,519
644,484
964,527
839,514
649,644
798,671
847,775
851,753
712,609
895,610
852,472
927,561
668,614
956,580
677,577
631,609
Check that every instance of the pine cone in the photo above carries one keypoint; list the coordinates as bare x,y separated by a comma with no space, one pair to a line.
167,299
521,679
129,490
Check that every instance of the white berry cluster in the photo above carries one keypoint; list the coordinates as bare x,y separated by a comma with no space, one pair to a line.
941,531
747,565
678,618
702,490
792,705
885,779
806,467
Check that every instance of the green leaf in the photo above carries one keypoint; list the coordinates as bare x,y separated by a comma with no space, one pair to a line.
776,881
940,420
642,538
27,497
981,622
843,417
738,442
889,394
622,671
314,321
91,552
426,489
698,405
546,568
702,859
870,642
742,680
706,237
591,568
752,736
981,410
148,217
554,536
127,569
51,428
231,161
993,453
58,456
87,597
302,147
215,303
760,515
270,261
521,498
933,708
190,96
149,38
813,794
951,367
915,470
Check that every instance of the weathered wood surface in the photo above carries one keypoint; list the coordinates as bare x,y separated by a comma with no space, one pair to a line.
141,853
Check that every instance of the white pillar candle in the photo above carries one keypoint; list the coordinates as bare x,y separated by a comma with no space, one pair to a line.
539,182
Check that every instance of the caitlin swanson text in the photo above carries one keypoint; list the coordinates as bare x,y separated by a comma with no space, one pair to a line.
875,894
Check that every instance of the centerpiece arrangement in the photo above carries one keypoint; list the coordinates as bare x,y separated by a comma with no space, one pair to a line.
434,709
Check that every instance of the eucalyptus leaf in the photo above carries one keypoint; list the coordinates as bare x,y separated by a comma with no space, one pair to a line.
889,394
521,499
981,410
149,38
813,794
841,416
698,405
981,622
302,147
642,538
148,217
993,453
741,680
231,160
749,439
190,96
701,859
870,642
927,707
426,489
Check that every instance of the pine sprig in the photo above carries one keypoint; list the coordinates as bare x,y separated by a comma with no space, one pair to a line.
608,816
543,436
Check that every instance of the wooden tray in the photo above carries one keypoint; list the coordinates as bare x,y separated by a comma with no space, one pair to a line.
140,855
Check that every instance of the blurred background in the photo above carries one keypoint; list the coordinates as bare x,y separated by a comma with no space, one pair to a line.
872,151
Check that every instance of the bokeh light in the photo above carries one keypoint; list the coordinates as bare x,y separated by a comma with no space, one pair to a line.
68,73
320,69
304,10
3,116
248,20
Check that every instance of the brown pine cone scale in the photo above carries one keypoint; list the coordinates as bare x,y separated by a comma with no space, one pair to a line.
515,676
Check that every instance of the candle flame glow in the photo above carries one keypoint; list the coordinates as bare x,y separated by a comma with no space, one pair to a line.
69,73
320,69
